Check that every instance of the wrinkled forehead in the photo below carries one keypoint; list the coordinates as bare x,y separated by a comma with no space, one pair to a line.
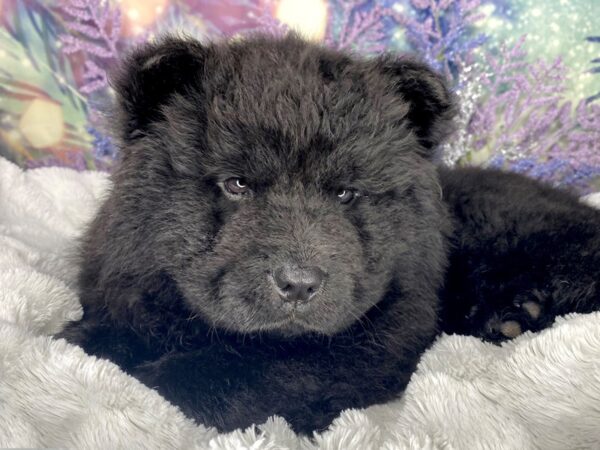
273,116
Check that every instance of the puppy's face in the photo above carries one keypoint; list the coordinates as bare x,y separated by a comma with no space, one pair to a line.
290,186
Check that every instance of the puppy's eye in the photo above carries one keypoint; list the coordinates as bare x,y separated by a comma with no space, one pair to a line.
345,196
236,186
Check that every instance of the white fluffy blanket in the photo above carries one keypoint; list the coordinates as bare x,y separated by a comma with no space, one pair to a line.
539,391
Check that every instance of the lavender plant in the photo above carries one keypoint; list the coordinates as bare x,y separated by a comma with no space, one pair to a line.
442,32
526,121
359,26
522,104
94,28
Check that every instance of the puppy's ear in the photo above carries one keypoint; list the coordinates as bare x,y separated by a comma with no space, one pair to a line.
149,77
432,105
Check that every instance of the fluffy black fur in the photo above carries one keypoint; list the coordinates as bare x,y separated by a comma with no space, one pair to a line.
177,270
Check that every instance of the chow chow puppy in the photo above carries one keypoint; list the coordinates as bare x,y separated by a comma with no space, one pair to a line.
279,239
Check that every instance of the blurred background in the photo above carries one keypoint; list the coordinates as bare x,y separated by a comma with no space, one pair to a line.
527,72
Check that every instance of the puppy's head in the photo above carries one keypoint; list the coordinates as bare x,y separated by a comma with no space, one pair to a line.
283,186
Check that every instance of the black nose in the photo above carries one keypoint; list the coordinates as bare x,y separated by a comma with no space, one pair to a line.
298,284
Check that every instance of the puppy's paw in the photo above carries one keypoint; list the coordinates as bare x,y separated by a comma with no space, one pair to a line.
526,313
501,329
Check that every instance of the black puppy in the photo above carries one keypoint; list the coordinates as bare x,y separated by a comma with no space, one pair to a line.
278,239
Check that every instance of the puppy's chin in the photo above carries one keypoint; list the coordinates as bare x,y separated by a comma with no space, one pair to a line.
292,328
287,325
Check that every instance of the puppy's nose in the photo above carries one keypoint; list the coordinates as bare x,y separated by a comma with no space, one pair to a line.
298,284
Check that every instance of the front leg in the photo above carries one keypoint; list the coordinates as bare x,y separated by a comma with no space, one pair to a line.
101,337
229,390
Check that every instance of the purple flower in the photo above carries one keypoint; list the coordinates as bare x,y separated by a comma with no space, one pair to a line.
103,147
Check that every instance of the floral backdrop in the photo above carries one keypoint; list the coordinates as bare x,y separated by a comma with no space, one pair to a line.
527,72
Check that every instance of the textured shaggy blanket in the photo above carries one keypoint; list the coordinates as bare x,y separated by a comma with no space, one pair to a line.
539,391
